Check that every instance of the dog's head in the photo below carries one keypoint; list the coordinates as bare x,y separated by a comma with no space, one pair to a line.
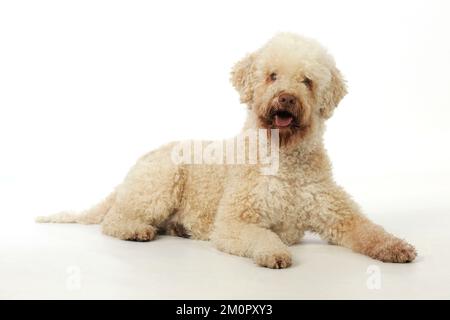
290,83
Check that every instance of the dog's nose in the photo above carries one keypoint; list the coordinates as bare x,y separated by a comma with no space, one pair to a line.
287,100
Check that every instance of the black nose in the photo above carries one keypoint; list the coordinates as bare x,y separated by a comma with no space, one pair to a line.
287,100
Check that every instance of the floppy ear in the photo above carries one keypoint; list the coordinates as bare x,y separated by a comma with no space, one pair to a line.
241,77
333,94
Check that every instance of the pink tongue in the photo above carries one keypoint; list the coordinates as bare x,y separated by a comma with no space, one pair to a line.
282,122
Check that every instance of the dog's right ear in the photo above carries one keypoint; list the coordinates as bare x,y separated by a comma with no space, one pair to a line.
242,77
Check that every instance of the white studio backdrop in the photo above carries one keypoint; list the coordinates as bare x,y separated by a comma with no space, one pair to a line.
86,87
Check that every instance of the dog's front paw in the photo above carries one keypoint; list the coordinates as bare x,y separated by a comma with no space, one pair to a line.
274,260
394,250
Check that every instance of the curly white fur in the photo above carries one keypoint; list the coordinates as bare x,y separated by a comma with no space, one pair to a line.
241,211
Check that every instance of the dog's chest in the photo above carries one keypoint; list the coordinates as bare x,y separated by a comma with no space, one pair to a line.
286,198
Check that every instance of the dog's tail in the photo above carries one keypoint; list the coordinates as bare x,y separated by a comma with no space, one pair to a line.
93,215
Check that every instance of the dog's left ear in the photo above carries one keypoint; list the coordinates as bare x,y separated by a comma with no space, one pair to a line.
333,94
242,77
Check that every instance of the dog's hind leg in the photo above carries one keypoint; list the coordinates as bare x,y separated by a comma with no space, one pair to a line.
150,193
93,215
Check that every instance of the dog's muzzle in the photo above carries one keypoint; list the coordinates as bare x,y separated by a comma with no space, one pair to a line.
283,111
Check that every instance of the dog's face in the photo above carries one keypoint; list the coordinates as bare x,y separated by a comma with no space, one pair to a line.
289,84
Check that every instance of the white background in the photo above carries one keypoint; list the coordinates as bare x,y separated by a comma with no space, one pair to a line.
86,87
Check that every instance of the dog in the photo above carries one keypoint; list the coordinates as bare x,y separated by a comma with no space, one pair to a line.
291,86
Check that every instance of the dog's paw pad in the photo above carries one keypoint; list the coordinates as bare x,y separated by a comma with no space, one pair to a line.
397,251
277,260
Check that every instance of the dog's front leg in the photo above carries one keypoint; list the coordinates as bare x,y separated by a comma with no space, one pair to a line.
252,241
340,222
362,235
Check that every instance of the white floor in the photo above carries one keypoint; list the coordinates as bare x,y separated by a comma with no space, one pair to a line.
76,261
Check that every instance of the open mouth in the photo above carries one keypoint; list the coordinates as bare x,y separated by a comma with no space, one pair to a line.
283,119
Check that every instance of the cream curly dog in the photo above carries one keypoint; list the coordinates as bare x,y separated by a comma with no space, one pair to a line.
290,84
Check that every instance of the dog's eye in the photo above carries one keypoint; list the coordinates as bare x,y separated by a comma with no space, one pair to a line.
273,76
307,82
